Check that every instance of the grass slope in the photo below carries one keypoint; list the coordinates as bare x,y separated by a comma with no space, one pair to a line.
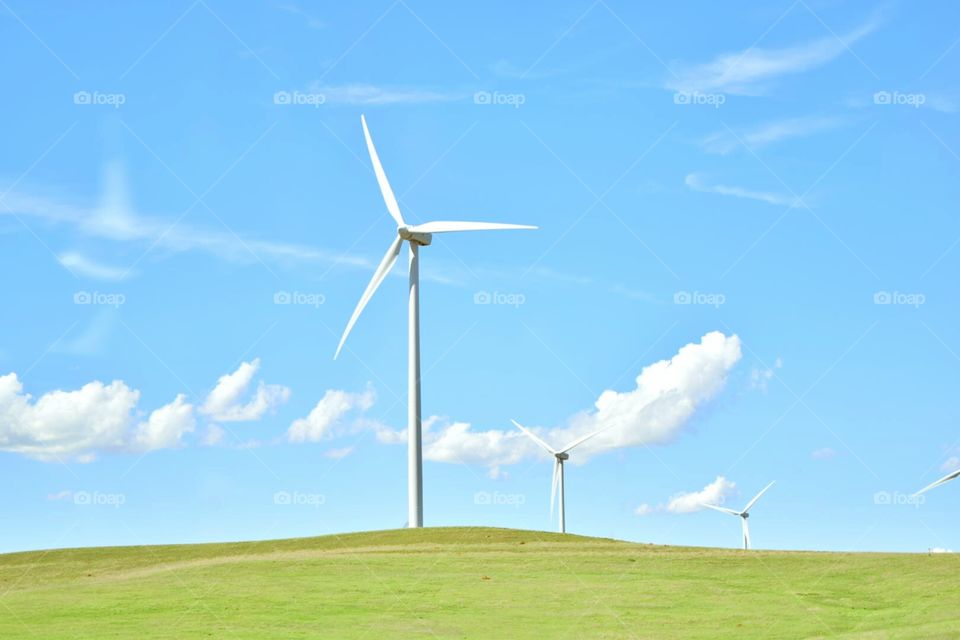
473,583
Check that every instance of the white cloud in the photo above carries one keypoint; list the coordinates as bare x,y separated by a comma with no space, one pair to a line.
166,426
213,435
92,338
940,550
714,493
824,454
79,264
296,10
327,417
696,183
751,71
368,94
952,463
64,425
644,510
114,218
226,402
724,142
338,454
760,377
667,395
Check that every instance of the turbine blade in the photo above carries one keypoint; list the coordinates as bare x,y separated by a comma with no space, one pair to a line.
388,197
720,509
382,270
947,478
446,226
530,434
756,497
579,441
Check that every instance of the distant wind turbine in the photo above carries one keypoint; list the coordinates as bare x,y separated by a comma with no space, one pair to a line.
945,479
559,457
417,236
743,515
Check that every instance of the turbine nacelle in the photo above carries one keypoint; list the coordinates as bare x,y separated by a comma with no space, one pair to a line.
563,456
422,239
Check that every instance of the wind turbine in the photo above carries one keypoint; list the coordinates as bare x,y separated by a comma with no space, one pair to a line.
945,479
743,515
416,236
559,457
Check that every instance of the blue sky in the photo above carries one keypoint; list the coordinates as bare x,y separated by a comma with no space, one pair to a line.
757,204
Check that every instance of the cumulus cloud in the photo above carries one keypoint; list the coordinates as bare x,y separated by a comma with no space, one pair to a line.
329,417
753,70
226,401
65,425
644,510
166,425
667,395
714,493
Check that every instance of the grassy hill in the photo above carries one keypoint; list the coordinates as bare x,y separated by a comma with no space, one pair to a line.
473,583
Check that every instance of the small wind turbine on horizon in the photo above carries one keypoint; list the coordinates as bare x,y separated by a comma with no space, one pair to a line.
416,236
743,514
559,457
945,479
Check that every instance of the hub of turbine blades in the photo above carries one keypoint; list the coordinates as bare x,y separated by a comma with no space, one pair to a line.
563,456
744,515
422,239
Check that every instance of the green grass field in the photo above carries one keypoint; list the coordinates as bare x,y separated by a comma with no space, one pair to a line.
473,583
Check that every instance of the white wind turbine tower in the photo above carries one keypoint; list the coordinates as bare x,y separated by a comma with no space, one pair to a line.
945,479
743,515
559,457
416,236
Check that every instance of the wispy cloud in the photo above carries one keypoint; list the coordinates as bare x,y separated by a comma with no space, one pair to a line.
694,182
370,94
114,218
725,141
296,10
752,70
83,266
